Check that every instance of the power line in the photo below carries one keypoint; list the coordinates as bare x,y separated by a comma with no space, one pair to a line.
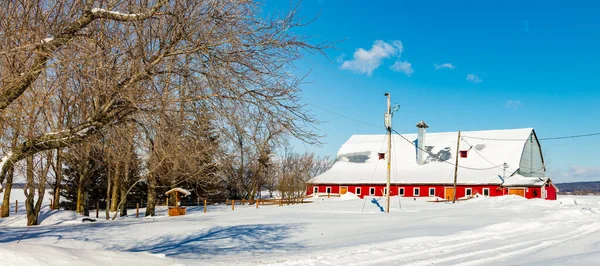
475,150
550,138
445,161
345,116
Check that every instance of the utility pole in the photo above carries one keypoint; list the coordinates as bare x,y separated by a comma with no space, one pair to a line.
456,166
388,126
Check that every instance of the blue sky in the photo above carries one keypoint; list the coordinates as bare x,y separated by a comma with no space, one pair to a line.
458,65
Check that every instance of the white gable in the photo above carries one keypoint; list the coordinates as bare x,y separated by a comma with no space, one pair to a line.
358,161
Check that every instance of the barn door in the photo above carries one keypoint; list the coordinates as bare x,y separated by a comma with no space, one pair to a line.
343,190
449,193
516,191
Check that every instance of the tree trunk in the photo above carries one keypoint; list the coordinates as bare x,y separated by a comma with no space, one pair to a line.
115,189
29,192
7,190
151,204
123,188
85,207
80,194
58,171
108,193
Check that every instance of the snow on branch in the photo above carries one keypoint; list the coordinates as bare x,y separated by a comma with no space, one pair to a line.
116,15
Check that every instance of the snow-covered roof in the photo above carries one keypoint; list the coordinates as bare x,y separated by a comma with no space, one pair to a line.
358,161
180,190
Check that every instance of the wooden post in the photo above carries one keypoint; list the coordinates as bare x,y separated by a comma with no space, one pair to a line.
51,205
204,205
167,201
257,201
232,205
198,203
456,166
226,201
137,210
327,195
243,201
16,205
97,209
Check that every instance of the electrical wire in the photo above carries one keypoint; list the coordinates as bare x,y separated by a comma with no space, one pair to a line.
445,161
550,138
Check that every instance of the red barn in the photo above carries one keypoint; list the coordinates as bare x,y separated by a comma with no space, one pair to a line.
491,163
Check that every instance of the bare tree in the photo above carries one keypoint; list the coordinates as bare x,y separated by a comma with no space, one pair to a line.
121,56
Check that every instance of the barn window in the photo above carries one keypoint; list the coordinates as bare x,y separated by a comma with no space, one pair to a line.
328,190
416,191
316,190
371,191
401,191
431,191
468,192
486,192
357,190
463,154
384,191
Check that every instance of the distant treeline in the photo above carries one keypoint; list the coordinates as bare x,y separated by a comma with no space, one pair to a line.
592,187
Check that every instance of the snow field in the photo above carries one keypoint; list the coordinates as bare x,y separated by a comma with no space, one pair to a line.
335,231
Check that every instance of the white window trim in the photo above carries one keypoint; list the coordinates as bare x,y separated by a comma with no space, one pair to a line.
403,191
468,194
488,192
431,194
415,193
371,191
315,189
357,190
328,190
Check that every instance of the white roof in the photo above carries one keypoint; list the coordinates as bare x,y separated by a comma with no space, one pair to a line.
489,153
180,190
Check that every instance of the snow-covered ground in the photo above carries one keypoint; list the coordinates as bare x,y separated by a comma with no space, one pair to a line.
484,231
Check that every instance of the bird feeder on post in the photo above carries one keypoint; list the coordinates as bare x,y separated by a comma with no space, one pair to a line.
176,210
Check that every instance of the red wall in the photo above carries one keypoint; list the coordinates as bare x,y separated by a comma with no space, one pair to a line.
550,192
495,190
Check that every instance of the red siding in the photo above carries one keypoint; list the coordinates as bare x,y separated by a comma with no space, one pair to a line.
550,192
494,190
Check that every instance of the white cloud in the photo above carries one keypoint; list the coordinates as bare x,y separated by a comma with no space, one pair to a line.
576,173
474,78
513,104
340,58
366,61
404,67
444,65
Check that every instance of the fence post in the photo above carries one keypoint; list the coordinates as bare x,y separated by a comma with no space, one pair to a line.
232,205
16,205
226,201
243,201
137,210
198,203
51,206
204,205
327,195
97,209
257,201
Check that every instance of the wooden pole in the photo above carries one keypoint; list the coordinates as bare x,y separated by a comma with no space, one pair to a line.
456,166
198,203
16,205
243,201
137,210
388,125
51,205
257,201
204,205
232,205
97,209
